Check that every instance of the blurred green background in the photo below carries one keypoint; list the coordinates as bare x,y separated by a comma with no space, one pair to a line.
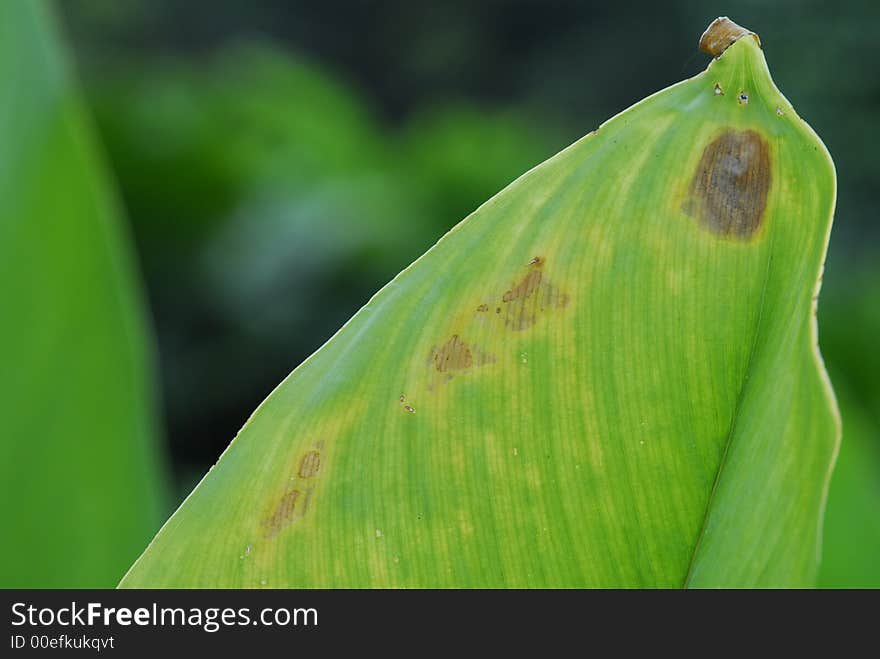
277,161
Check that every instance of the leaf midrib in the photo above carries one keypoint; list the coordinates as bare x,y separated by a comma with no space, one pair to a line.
733,424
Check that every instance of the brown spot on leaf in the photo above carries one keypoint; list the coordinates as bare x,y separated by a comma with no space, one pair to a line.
454,355
533,294
728,193
293,504
282,515
310,464
525,288
483,308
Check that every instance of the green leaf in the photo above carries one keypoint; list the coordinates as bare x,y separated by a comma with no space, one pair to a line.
852,528
607,375
80,490
850,327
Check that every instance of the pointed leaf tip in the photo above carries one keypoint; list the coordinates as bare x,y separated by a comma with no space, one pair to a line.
721,33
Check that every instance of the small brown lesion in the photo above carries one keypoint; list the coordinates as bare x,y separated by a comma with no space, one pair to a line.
526,286
728,192
457,356
518,309
294,503
282,515
310,464
454,355
531,295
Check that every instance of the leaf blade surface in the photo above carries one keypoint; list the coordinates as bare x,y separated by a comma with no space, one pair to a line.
605,376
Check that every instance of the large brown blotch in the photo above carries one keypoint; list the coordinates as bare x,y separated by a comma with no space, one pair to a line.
728,193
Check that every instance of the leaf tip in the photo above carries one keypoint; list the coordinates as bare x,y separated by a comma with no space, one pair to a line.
721,34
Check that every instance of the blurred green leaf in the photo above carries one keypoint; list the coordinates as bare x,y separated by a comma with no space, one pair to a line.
230,125
592,381
78,464
460,154
850,325
851,547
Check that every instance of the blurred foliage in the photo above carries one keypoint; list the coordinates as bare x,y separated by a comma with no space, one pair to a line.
79,477
269,204
850,313
272,193
851,551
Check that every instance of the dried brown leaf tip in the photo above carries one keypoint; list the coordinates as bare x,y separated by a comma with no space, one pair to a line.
728,193
721,33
